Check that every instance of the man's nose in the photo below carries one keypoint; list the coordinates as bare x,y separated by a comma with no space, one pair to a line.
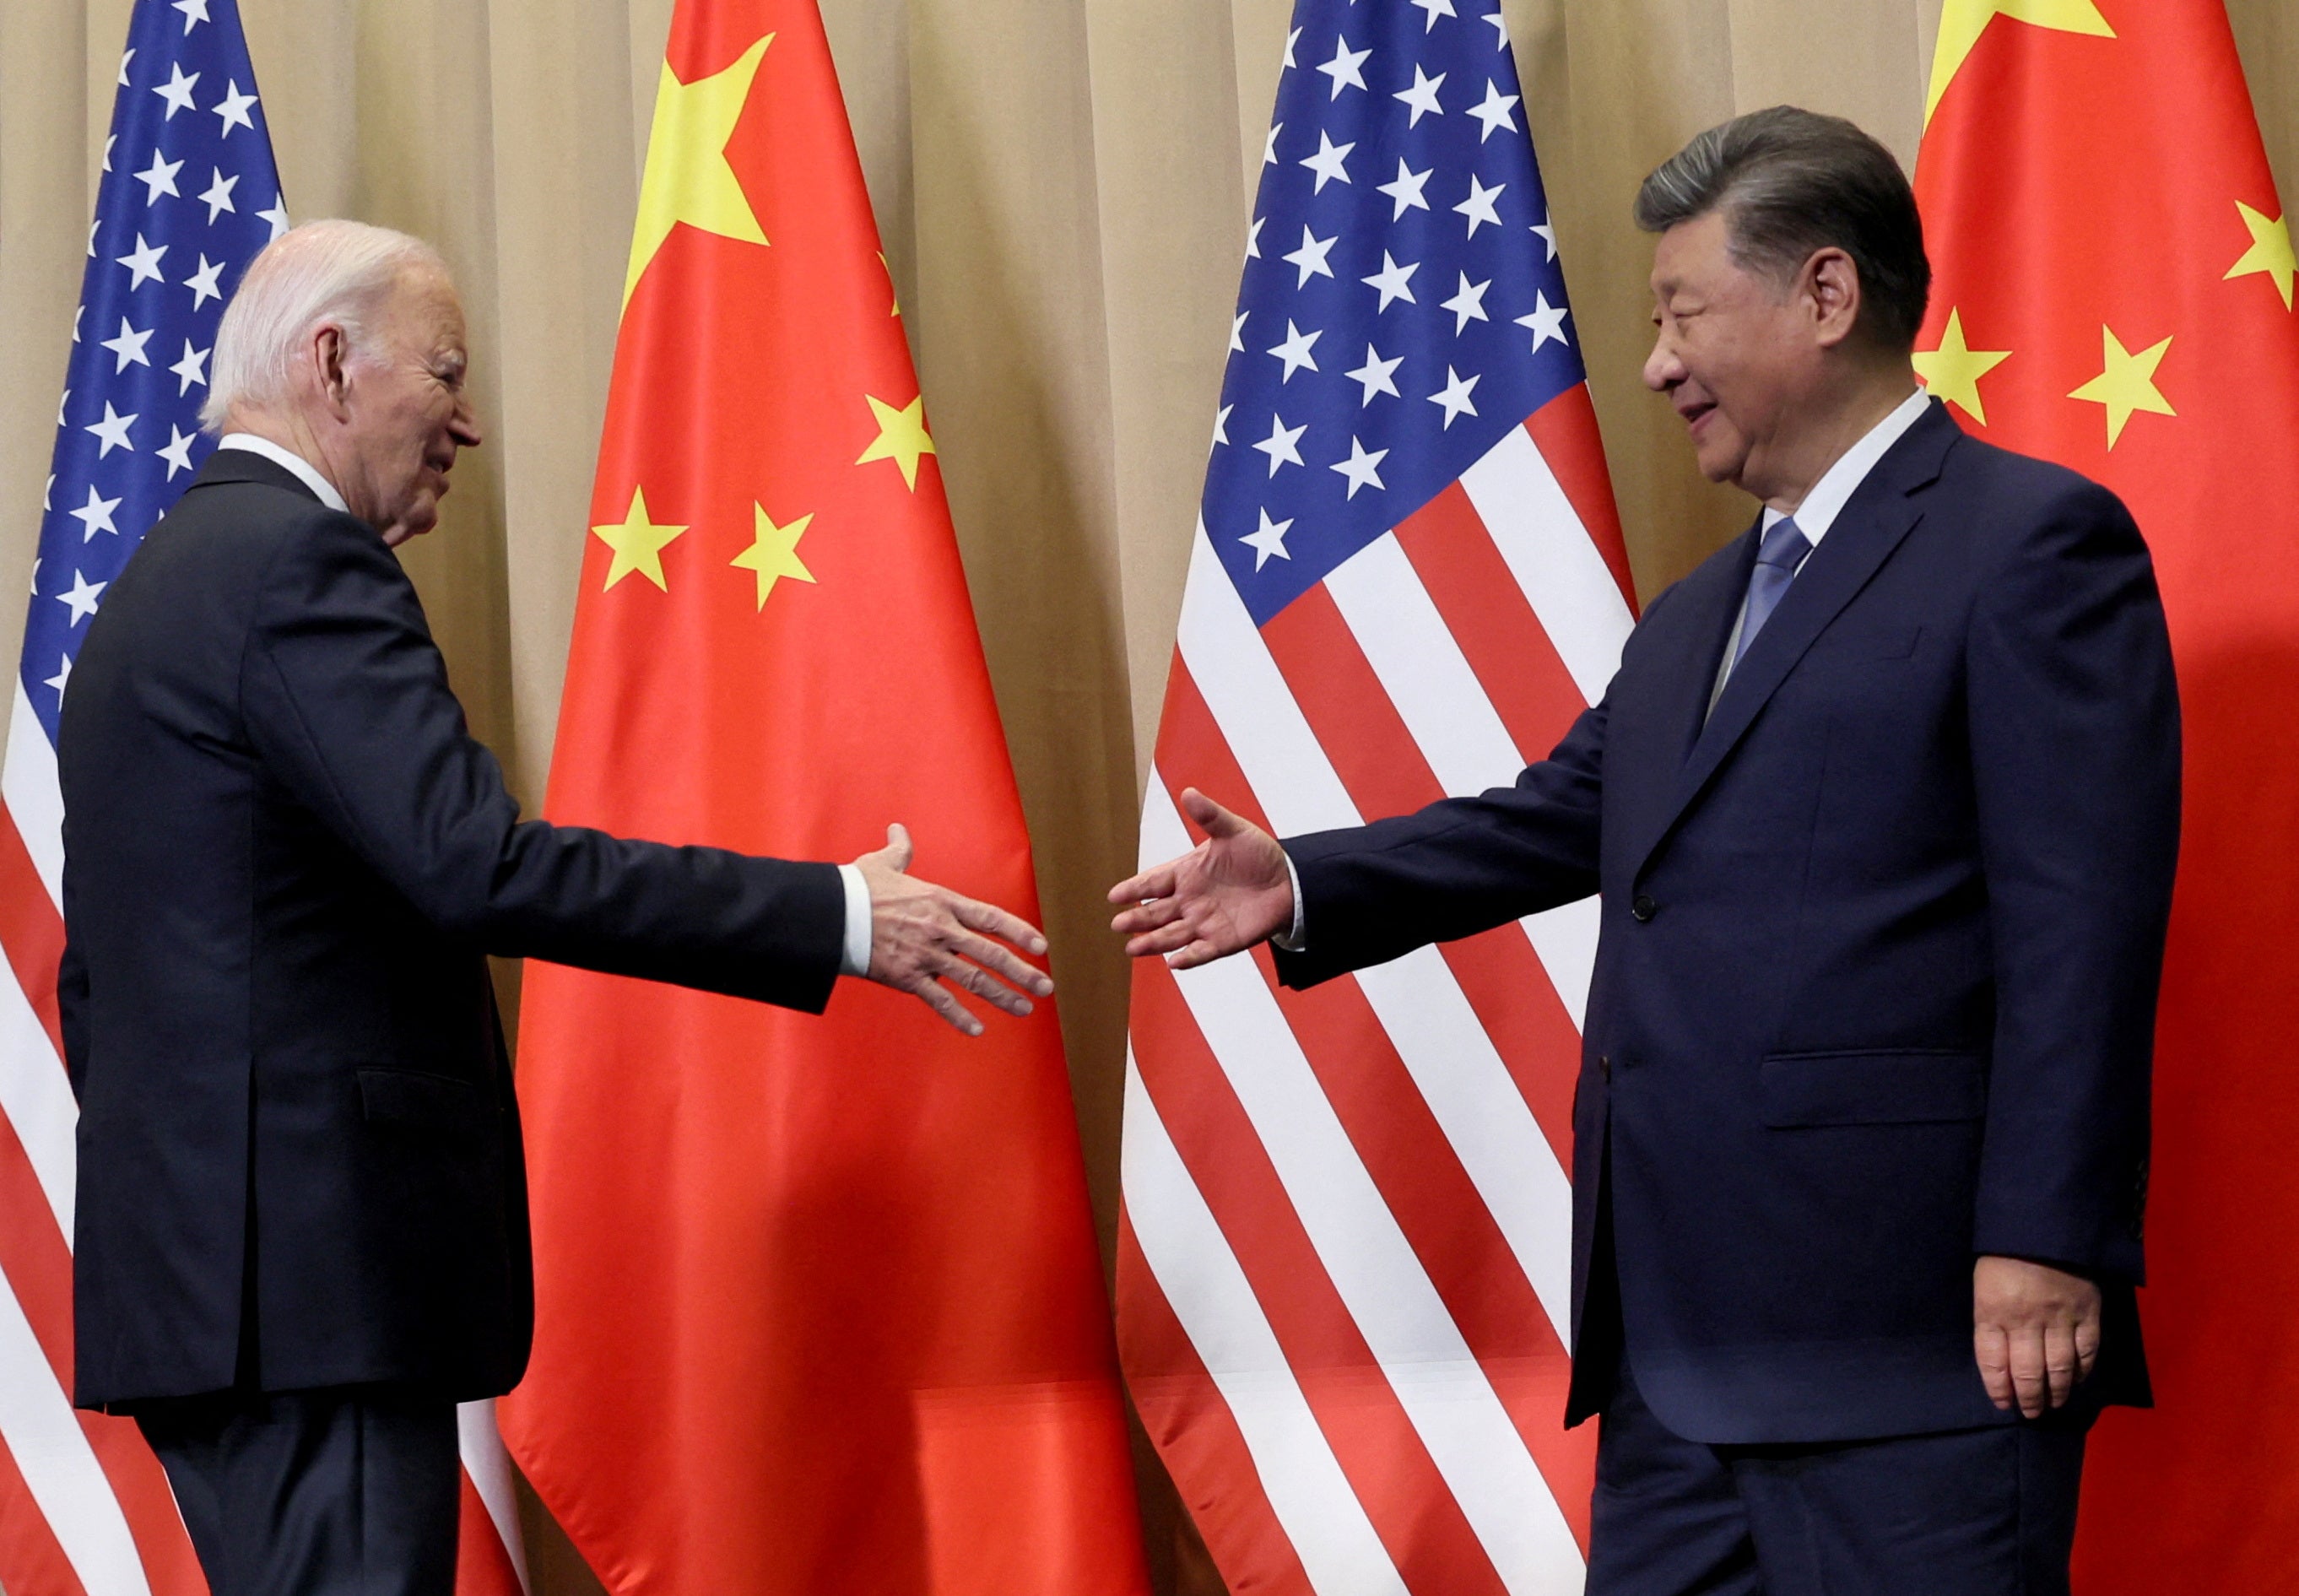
1663,370
463,426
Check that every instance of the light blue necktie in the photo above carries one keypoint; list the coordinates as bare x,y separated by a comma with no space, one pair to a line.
1777,559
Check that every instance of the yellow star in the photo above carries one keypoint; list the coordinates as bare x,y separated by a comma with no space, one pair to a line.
2127,384
893,301
2269,251
1962,22
1953,370
638,544
901,437
774,554
688,177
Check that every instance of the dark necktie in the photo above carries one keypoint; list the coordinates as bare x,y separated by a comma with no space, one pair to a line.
1778,558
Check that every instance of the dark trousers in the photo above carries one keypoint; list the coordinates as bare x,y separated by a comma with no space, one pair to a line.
349,1491
1985,1512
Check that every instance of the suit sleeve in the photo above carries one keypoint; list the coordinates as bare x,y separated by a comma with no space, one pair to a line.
2075,749
1374,892
347,703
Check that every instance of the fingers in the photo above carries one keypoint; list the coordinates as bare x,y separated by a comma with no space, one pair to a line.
1199,952
955,910
977,916
2060,1361
2030,1385
1154,882
928,988
975,963
937,997
1212,818
2035,1332
983,984
996,956
1146,917
924,942
1180,945
894,856
1993,1351
1168,938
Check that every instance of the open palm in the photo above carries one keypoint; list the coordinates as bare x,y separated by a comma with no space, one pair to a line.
1229,891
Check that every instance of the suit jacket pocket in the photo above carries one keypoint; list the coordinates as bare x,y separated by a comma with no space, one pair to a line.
1873,1087
419,1100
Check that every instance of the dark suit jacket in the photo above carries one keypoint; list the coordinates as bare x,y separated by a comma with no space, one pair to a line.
286,861
1876,984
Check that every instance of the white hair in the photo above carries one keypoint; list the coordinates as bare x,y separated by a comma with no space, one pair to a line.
324,272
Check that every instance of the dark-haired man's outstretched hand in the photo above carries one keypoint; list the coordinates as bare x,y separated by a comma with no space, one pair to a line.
1229,891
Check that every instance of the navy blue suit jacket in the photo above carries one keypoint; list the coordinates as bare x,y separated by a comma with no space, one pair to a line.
1876,984
286,861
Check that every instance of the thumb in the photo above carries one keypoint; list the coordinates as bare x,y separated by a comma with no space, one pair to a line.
898,846
1211,817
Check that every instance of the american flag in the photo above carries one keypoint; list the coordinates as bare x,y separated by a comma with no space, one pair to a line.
189,195
1344,1271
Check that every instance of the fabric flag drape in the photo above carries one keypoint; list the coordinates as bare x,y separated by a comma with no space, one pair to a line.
818,1303
2114,292
189,195
1344,1260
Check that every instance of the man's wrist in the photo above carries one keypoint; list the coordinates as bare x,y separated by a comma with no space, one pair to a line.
2058,1266
1290,939
854,952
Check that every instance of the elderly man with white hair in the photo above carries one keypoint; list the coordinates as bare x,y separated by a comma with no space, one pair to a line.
302,1233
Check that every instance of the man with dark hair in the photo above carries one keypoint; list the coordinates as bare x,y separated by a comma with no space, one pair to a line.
1797,184
1883,808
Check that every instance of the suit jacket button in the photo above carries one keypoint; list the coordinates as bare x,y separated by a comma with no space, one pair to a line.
1604,1065
1643,908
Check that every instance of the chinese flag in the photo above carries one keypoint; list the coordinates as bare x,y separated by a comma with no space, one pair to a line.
819,1305
2114,292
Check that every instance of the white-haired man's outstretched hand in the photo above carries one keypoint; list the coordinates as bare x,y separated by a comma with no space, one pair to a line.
926,939
1229,891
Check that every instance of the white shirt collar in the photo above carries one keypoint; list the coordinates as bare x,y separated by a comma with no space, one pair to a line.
1841,481
304,471
1827,499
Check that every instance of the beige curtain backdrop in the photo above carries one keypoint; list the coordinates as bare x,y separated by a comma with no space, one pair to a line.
1063,185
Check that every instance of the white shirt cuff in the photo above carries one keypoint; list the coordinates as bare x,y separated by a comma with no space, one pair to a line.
855,958
1291,938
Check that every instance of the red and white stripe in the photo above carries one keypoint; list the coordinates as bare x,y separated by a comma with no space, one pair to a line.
1344,1270
491,1558
85,1508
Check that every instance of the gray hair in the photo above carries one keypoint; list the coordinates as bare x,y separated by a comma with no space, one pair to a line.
1791,182
324,272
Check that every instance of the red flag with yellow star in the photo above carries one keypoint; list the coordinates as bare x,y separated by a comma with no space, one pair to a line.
2114,292
819,1304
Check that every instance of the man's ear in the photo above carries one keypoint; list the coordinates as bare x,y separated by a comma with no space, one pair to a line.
1830,285
330,356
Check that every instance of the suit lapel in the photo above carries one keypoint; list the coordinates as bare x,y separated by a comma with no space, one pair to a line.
1645,749
1880,514
1707,639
